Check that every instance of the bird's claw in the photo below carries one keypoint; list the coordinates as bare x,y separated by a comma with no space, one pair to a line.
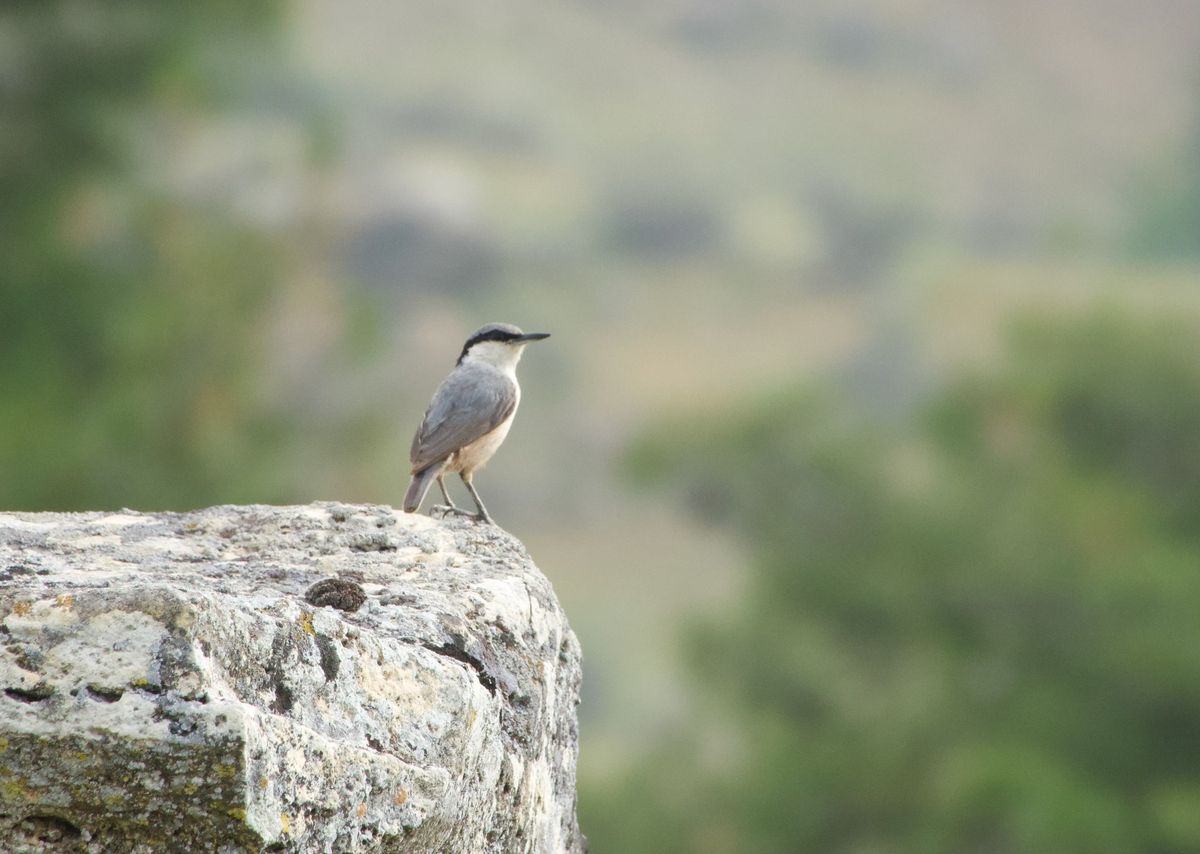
441,511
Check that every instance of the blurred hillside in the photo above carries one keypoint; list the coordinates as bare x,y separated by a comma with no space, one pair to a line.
239,251
968,632
681,126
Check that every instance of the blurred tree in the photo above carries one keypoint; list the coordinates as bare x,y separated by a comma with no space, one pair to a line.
1166,222
127,318
978,635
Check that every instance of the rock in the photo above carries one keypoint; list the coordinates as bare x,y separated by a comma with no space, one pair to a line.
164,685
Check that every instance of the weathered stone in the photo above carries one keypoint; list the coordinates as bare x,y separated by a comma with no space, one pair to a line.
164,685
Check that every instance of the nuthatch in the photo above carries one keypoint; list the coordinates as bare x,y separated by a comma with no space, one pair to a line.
469,415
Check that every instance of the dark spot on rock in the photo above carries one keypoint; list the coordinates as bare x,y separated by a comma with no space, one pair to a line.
26,657
340,593
46,830
36,694
505,634
289,647
182,726
330,662
284,700
175,659
14,570
375,743
104,693
453,649
339,514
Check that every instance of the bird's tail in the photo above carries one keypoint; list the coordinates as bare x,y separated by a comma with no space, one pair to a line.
421,482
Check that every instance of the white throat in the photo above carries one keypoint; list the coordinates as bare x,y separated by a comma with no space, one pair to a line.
503,357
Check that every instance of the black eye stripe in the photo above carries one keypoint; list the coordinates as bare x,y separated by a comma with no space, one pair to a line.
491,335
488,335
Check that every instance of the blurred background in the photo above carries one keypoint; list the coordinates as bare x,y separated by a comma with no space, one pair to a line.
865,457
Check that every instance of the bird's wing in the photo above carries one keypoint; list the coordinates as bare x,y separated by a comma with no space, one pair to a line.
467,405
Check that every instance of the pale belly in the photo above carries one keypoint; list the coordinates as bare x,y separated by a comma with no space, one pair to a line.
473,456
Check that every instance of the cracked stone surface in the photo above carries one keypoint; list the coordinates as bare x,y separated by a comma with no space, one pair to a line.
165,686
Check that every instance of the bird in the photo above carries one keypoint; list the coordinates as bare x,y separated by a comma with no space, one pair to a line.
469,416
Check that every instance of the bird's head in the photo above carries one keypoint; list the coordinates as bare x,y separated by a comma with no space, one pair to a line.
498,344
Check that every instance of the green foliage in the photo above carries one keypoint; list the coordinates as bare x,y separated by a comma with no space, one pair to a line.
1166,222
127,319
975,634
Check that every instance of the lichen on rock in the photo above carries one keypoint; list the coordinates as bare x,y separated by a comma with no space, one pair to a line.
165,685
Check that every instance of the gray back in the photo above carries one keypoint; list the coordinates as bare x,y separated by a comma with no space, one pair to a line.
471,402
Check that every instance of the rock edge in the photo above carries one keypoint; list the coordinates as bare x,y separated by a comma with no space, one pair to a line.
164,685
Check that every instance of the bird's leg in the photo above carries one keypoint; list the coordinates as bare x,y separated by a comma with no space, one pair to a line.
483,514
449,508
442,485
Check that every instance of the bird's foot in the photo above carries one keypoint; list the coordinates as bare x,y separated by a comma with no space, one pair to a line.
441,511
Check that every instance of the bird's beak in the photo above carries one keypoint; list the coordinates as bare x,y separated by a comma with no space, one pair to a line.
532,336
